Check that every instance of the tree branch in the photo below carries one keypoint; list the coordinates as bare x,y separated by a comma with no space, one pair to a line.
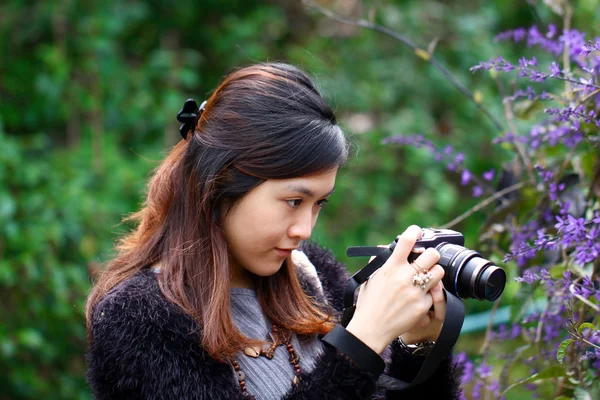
484,204
425,55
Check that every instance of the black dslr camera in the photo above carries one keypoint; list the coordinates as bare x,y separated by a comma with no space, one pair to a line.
467,274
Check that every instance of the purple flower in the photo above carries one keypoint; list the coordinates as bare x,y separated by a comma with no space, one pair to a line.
519,34
484,370
554,70
465,177
515,332
494,387
467,373
489,175
476,394
528,277
477,191
545,174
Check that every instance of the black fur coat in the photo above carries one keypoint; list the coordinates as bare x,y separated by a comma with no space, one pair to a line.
144,347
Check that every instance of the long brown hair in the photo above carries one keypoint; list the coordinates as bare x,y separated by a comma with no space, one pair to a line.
265,121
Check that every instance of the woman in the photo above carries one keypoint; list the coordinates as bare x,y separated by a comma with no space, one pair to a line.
218,294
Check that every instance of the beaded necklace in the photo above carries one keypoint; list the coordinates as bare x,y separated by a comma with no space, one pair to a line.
279,337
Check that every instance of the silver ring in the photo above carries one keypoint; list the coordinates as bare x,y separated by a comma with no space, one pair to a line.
421,279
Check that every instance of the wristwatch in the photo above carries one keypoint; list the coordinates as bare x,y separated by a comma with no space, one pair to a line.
419,349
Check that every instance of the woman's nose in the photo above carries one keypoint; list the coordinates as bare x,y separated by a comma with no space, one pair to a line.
302,227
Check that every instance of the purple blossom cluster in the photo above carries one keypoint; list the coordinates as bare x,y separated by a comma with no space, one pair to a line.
553,188
477,378
564,128
521,250
589,47
574,115
579,236
554,246
582,235
446,155
525,69
551,42
528,93
560,294
453,161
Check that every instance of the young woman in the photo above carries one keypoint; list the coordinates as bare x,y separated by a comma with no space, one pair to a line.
219,295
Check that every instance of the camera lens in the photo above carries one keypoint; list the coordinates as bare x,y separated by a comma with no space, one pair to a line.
468,275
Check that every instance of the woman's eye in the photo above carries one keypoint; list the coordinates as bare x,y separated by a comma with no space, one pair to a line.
294,203
321,203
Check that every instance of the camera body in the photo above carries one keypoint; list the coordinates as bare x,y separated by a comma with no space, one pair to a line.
467,274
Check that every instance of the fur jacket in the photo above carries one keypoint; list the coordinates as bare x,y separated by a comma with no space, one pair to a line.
144,347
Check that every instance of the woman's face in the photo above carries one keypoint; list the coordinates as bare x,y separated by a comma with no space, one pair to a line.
271,220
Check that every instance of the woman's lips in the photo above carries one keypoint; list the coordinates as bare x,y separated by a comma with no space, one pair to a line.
283,253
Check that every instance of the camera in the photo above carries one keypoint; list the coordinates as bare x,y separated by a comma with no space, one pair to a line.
467,274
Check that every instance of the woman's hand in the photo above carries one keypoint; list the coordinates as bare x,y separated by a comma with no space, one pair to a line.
430,326
390,305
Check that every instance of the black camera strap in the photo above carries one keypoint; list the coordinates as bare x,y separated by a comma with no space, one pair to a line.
453,321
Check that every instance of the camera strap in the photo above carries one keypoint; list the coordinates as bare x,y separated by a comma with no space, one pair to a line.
453,321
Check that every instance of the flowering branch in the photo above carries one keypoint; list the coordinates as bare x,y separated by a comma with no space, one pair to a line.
425,55
524,69
566,53
583,299
484,204
518,146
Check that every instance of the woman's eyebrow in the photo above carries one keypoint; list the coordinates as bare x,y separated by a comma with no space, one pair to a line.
296,187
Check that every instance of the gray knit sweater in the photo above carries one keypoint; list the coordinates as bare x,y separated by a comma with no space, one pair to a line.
268,379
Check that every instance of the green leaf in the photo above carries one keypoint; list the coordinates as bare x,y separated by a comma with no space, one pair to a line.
30,338
563,398
560,354
582,394
524,109
554,371
521,303
586,325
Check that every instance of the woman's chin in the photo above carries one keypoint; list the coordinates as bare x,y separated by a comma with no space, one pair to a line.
266,272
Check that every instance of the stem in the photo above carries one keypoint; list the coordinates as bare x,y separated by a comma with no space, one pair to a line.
589,96
520,151
566,49
484,203
590,343
583,299
574,81
488,332
420,52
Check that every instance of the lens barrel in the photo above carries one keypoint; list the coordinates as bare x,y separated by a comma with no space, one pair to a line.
468,275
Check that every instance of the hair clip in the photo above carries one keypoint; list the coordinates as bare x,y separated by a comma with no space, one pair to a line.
188,116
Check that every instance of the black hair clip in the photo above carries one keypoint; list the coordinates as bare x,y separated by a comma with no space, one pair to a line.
189,115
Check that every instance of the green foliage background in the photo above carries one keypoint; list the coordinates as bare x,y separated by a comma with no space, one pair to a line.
88,97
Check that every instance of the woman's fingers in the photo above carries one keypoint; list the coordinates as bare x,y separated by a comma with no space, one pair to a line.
436,273
406,242
427,259
425,321
439,302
